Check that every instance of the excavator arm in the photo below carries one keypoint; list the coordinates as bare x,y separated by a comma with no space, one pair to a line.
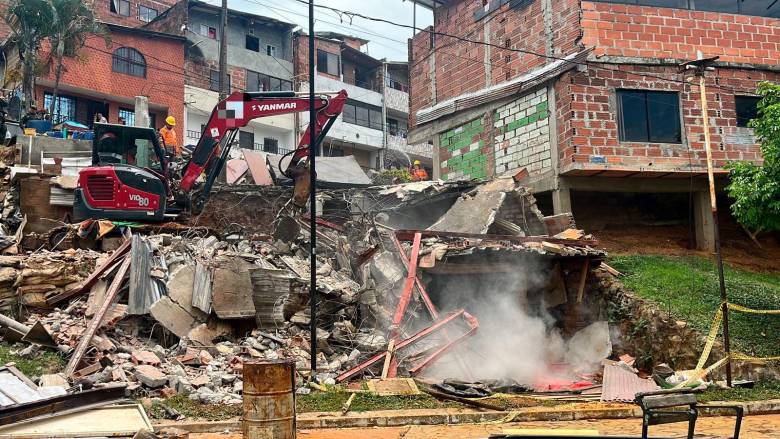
235,112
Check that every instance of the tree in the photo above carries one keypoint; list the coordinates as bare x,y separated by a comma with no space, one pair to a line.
756,189
73,22
30,23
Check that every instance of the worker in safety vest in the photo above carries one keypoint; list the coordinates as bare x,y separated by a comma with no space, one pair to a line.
418,172
169,140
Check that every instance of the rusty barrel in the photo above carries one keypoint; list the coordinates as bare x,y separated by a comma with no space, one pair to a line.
269,399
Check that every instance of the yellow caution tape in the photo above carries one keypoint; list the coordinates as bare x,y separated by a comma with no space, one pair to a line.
740,308
714,328
743,357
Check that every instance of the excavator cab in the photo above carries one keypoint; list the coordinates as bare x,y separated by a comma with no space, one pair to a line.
127,179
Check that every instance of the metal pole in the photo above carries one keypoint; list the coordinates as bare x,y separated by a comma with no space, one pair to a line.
223,75
414,18
383,153
312,199
714,205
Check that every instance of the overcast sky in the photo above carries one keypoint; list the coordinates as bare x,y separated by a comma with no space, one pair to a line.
387,41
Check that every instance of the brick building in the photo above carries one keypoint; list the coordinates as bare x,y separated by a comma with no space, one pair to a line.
106,79
135,13
587,96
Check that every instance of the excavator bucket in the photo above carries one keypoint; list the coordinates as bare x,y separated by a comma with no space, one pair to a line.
301,176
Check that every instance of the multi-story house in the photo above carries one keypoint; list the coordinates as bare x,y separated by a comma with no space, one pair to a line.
373,125
588,98
259,58
129,13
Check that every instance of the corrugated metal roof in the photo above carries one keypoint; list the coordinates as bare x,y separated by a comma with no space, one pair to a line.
621,384
502,90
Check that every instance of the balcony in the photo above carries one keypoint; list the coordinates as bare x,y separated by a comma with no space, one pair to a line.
358,93
397,100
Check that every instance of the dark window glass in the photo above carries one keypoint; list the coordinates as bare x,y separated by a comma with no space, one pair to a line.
65,108
214,80
270,50
765,8
349,113
376,119
252,81
246,140
146,14
730,6
747,109
129,61
271,145
286,85
276,84
649,116
327,63
252,43
361,116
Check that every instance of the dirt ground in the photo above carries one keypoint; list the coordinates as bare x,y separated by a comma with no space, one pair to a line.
753,427
738,249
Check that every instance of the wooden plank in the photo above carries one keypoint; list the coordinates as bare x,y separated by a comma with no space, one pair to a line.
583,279
139,297
86,337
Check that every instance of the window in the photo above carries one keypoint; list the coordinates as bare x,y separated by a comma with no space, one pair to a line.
747,109
328,63
129,61
370,117
128,116
764,8
270,50
349,113
208,31
121,7
214,80
649,116
64,109
260,82
252,43
246,140
152,120
271,145
147,14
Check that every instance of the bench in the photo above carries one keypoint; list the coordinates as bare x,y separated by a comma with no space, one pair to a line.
679,405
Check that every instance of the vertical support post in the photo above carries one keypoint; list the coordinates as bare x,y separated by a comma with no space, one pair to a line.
714,206
142,120
312,199
383,153
223,75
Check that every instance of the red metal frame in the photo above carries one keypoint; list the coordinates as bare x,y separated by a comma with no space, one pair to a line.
473,326
423,294
414,338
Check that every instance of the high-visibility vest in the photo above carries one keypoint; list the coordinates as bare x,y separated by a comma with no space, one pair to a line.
169,140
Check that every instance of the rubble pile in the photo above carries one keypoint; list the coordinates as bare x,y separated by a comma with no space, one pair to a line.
176,309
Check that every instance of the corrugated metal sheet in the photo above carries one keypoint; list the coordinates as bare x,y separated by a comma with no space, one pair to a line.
621,384
16,389
503,90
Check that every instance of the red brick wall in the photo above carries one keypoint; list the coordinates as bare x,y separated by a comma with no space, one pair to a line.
103,10
588,124
652,32
164,82
461,67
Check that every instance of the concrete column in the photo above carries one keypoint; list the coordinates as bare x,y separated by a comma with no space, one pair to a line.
141,111
561,197
702,215
436,160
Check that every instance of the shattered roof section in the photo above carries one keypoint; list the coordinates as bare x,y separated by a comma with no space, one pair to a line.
622,384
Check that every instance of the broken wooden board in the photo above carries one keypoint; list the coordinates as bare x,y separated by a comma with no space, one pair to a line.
232,289
393,386
113,421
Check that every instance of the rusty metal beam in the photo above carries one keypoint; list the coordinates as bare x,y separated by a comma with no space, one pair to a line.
58,405
400,310
423,293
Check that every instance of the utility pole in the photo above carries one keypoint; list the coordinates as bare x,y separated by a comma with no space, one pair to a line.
312,201
223,75
699,68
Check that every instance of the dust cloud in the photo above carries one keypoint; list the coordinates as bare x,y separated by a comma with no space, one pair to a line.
517,338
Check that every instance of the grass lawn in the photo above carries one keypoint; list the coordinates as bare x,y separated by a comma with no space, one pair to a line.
763,390
687,287
42,362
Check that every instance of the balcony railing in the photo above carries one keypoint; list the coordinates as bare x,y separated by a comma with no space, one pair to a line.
392,83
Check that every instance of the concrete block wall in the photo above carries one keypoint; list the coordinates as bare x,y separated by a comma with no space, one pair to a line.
522,134
464,151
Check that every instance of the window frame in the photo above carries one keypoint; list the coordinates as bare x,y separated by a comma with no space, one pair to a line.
147,9
273,142
209,30
117,6
125,64
128,114
327,64
269,48
214,86
71,107
649,137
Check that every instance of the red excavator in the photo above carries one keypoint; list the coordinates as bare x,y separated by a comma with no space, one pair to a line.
132,179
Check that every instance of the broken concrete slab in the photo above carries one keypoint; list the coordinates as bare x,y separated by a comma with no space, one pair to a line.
150,376
475,211
172,316
232,289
